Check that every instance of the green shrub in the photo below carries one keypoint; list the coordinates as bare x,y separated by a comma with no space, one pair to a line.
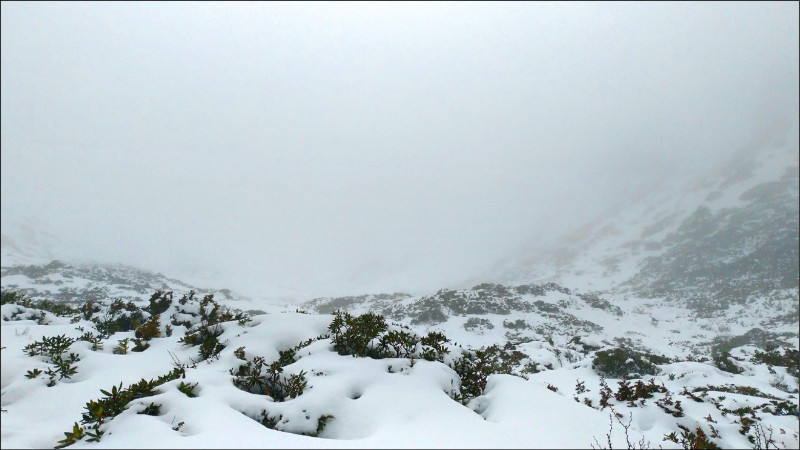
14,297
474,368
153,409
638,391
790,358
518,324
358,335
723,362
258,377
433,346
33,374
112,322
122,348
188,389
623,362
207,338
477,322
149,329
54,349
54,307
160,302
277,423
96,341
71,436
140,345
400,344
115,401
89,308
691,440
205,334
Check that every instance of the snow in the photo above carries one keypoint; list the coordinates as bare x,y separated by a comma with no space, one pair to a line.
375,403
398,402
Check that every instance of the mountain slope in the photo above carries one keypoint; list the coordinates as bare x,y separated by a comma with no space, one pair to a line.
725,237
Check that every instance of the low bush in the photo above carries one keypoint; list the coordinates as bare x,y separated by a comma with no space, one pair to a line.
114,402
478,323
723,362
697,439
474,368
206,332
54,349
258,377
357,335
623,362
149,329
54,307
160,302
789,358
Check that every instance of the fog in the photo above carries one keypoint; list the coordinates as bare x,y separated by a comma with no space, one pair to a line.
321,149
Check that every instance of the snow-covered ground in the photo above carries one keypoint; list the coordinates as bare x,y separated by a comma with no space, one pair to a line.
389,402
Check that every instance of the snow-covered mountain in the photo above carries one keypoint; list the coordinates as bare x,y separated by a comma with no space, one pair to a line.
713,240
77,283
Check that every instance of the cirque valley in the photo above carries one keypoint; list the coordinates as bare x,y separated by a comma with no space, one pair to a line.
399,225
680,318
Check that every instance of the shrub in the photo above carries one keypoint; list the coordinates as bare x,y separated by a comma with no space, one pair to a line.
723,362
54,349
188,389
477,322
119,316
89,308
400,344
122,348
518,324
17,298
279,423
54,307
160,302
207,338
691,440
790,358
638,391
474,368
433,346
139,345
206,333
149,329
114,403
623,362
258,377
96,341
358,335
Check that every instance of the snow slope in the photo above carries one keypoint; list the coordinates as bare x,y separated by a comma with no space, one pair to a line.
384,402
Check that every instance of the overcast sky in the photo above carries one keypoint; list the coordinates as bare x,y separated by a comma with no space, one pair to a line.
346,148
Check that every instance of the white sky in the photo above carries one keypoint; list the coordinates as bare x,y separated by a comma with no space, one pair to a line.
324,149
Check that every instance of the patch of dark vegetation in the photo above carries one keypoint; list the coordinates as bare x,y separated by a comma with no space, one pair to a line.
782,357
54,307
595,301
478,323
625,362
114,402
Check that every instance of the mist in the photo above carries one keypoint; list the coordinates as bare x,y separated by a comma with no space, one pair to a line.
293,149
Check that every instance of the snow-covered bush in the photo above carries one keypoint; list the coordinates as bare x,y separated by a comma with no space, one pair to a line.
115,402
204,324
357,335
619,362
54,350
258,377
